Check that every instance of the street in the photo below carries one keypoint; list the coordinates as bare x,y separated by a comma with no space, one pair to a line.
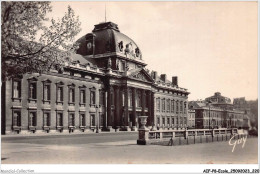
120,147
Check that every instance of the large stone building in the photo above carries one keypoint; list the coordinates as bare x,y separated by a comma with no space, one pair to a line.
191,119
218,112
106,86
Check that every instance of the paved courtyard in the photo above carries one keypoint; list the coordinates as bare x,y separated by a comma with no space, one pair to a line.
118,148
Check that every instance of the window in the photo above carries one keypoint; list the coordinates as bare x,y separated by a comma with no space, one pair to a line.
158,120
82,119
82,95
185,107
102,97
92,120
59,119
16,89
158,104
17,118
168,121
181,106
177,107
71,119
163,121
172,106
46,90
71,94
32,90
59,92
92,97
177,120
32,118
173,121
163,105
168,105
46,119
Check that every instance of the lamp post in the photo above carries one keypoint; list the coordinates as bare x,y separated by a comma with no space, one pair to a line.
209,102
97,115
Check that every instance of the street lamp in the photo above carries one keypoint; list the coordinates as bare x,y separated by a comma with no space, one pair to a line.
209,102
97,115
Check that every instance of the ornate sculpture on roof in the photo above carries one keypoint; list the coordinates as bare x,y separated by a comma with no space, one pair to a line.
128,48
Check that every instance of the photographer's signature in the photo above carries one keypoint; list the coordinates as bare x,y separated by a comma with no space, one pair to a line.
241,140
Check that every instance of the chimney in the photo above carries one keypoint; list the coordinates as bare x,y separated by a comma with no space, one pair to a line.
175,80
154,74
163,77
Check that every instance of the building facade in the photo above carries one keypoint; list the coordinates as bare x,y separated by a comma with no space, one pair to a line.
218,112
105,86
191,118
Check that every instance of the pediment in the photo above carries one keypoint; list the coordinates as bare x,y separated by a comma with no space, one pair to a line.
140,74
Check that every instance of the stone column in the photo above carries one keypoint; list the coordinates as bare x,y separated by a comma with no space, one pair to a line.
183,113
149,102
134,109
117,107
178,113
126,114
109,119
143,101
152,103
105,114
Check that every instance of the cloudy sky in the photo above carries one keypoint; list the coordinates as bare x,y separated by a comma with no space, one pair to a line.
210,46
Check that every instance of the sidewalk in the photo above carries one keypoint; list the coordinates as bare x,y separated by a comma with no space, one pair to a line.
63,134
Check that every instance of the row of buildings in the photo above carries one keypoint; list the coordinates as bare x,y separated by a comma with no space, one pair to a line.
217,111
106,87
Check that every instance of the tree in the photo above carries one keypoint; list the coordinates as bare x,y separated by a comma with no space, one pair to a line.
33,43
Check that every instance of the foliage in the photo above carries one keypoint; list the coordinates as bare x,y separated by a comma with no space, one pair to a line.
253,105
28,45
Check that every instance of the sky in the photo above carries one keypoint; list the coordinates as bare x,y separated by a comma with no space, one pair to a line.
210,46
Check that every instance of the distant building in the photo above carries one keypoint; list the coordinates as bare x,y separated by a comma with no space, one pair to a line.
219,101
216,112
191,118
241,104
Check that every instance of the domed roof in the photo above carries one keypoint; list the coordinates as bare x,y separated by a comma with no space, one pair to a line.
106,40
